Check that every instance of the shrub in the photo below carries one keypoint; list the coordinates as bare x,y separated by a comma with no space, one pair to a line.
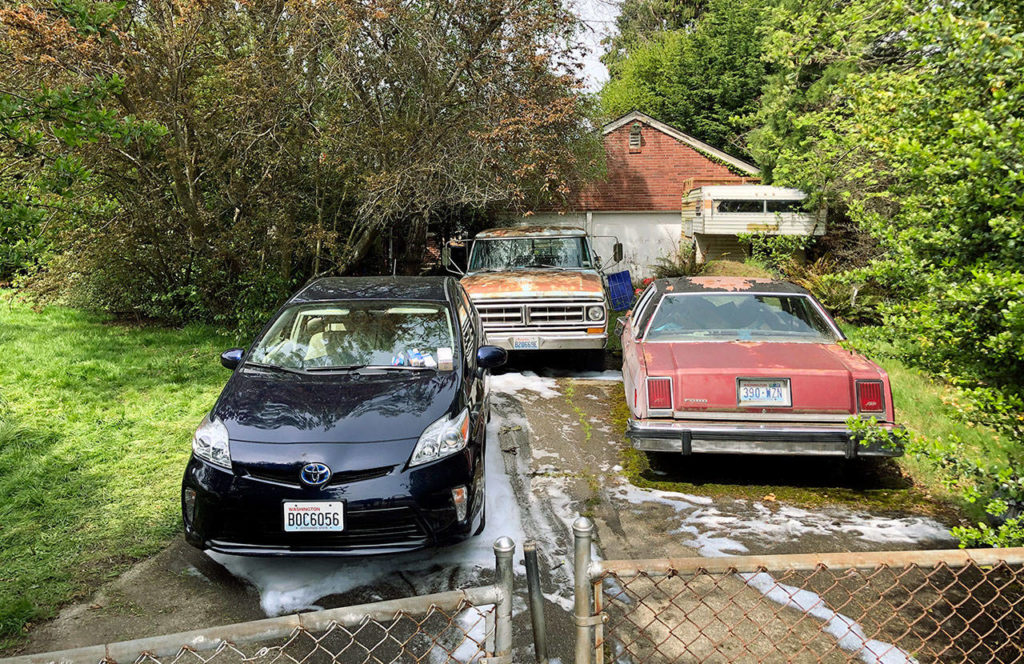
847,295
680,263
773,252
997,486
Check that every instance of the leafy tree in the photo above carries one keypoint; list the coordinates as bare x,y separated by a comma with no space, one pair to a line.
911,114
700,78
639,21
44,114
258,144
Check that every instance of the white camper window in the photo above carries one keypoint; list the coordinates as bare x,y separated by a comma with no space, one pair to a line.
786,206
740,206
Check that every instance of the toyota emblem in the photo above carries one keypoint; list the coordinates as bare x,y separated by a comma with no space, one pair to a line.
315,474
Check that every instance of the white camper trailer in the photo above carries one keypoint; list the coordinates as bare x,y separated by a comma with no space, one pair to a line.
715,215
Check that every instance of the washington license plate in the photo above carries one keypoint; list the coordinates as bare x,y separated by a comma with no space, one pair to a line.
525,343
770,392
314,517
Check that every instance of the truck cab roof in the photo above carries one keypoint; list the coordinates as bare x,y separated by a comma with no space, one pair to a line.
530,231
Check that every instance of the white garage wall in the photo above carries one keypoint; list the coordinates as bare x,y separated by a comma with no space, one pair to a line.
645,236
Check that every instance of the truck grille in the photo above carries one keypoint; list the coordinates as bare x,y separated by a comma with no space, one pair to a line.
555,314
496,315
547,314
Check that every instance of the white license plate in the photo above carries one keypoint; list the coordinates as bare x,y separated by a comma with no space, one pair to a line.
764,393
525,343
314,517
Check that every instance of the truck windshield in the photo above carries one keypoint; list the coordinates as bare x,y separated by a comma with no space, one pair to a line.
528,252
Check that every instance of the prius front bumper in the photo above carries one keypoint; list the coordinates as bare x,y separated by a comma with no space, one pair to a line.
704,437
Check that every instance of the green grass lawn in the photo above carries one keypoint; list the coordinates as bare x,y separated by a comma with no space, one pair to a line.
922,406
95,428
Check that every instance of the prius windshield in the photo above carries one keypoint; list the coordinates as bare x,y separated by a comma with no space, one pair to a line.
739,317
354,334
529,252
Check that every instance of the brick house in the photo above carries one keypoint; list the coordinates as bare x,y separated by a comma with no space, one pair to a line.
650,169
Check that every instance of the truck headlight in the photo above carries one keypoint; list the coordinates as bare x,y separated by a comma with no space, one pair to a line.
595,313
210,443
442,438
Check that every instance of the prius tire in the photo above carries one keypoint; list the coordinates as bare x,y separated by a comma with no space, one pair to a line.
483,520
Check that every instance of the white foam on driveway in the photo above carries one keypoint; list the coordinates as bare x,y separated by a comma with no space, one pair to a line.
715,533
287,585
527,381
473,624
848,633
611,374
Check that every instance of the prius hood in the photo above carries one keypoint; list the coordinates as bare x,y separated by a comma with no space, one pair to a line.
534,283
263,407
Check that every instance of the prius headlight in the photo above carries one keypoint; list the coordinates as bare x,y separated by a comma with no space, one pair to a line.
210,443
442,438
595,313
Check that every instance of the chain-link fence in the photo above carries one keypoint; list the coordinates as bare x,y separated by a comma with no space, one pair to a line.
464,633
920,606
470,625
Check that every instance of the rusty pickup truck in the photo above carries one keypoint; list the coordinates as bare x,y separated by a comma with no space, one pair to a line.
538,288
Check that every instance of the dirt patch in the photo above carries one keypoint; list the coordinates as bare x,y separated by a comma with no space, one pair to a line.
177,590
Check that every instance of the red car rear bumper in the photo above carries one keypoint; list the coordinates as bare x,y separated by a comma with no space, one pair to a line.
710,437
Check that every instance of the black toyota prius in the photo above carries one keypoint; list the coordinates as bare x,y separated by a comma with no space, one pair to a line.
354,425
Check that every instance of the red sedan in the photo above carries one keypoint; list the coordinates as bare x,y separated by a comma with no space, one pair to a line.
731,365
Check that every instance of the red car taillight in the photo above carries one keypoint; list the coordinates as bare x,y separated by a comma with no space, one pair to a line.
659,393
869,396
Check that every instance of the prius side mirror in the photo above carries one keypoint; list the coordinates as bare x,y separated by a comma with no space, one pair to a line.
490,357
230,359
617,252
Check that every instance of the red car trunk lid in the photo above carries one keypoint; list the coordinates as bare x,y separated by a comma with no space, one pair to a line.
705,374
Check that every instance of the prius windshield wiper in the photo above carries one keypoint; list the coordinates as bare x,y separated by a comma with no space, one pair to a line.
372,367
275,367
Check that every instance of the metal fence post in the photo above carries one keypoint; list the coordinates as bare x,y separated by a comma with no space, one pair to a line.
583,534
504,550
540,637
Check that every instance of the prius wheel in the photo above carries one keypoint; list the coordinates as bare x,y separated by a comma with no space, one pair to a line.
483,520
483,508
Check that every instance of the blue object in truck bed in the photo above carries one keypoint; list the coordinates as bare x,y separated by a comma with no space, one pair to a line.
620,289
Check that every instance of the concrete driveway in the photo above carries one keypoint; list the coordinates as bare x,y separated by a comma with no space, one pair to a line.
556,451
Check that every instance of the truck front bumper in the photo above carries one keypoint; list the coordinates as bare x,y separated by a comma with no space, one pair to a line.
547,341
702,437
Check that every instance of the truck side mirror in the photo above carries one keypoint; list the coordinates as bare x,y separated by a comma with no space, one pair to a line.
446,256
617,252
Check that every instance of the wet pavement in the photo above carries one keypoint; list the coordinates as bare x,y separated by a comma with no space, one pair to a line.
555,451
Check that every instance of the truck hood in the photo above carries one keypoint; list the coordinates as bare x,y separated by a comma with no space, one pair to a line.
534,283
